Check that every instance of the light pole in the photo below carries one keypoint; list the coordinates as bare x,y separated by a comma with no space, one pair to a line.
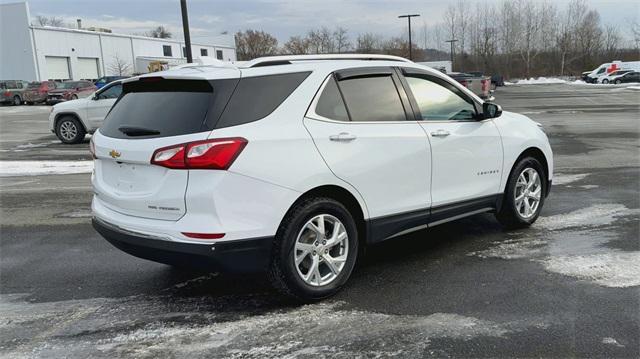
452,41
409,21
185,28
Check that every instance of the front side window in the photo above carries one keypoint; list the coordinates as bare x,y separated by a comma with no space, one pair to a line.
111,93
438,102
372,99
330,103
166,50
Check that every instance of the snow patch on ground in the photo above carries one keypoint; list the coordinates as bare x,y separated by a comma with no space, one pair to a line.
593,216
589,186
541,81
40,168
616,269
315,325
165,326
562,178
574,244
634,87
517,248
30,145
612,341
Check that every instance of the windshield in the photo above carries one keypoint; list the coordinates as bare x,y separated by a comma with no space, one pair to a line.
69,85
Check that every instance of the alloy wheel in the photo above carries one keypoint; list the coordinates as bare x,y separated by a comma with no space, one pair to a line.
321,250
68,130
528,193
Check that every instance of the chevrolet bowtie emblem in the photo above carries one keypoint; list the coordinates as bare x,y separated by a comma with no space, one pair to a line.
114,154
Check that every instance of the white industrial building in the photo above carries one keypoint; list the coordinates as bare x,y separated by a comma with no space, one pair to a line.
35,53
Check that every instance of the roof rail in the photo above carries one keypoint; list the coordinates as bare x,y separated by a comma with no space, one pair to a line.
288,59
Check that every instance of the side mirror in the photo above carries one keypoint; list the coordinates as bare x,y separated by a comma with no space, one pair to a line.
491,110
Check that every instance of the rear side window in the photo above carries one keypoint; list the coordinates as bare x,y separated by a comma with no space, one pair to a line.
372,99
166,108
257,97
330,103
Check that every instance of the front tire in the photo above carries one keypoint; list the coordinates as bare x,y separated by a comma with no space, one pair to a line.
69,130
315,250
617,82
17,101
524,195
605,81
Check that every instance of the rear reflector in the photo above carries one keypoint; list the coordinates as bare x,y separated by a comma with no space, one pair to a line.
215,154
203,235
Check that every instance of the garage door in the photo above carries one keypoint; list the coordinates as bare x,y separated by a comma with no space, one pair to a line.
87,68
57,68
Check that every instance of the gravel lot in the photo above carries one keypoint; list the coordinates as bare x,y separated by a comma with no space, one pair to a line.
568,286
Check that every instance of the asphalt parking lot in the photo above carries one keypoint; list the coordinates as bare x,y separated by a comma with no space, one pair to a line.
567,287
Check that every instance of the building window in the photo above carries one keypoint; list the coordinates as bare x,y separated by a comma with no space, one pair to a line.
204,52
184,51
166,49
219,54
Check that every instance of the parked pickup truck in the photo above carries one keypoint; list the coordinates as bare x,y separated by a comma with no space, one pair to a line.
478,84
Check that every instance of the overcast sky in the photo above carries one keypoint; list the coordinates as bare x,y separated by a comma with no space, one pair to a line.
282,18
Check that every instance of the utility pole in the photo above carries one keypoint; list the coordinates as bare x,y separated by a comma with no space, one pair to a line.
409,21
452,41
185,27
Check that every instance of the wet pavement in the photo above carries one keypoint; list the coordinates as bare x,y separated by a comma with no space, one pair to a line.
567,286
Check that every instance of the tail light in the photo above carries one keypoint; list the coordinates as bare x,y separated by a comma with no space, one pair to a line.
7,94
215,154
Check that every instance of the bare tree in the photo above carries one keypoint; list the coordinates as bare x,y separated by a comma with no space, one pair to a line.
321,41
611,41
49,21
589,38
635,32
568,32
252,43
296,46
531,25
159,32
368,43
119,66
341,39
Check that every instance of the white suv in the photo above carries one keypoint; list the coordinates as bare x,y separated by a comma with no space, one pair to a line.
294,164
72,120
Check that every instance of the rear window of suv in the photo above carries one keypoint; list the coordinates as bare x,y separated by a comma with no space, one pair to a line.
163,108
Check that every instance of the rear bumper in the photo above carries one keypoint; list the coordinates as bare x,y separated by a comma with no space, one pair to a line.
238,256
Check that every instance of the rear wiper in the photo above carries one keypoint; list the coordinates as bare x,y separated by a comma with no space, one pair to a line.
137,131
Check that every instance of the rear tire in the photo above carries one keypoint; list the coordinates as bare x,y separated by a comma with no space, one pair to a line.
69,130
524,195
605,81
74,97
17,101
617,82
306,264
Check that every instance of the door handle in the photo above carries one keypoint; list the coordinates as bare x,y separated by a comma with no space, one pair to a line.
342,137
440,133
